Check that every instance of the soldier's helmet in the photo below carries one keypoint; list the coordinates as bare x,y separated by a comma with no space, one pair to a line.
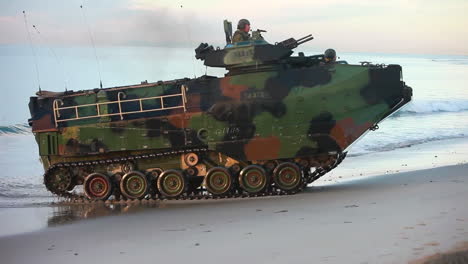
242,23
330,54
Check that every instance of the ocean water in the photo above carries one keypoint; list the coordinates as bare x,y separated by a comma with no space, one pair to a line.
439,109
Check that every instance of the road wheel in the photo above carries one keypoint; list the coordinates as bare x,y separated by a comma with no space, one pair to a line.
134,185
287,176
253,179
172,183
97,186
218,181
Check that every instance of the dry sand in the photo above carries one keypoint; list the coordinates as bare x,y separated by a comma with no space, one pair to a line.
394,218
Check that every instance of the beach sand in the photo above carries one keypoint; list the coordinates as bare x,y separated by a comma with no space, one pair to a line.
393,218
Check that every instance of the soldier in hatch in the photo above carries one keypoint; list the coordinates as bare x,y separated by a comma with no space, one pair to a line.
330,56
242,32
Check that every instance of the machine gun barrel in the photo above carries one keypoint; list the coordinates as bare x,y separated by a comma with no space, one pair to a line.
310,35
304,40
291,43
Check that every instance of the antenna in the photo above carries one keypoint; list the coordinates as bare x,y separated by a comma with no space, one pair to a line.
92,43
32,50
55,55
189,36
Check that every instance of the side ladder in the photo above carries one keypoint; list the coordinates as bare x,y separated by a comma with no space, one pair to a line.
58,106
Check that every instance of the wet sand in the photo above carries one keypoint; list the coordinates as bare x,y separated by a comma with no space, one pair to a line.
458,255
393,218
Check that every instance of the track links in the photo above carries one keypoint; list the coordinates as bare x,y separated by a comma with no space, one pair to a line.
307,174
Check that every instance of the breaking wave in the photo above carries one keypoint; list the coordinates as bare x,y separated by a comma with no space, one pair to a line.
432,106
17,188
363,149
19,129
12,191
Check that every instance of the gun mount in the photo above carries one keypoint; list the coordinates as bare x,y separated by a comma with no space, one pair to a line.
257,34
291,43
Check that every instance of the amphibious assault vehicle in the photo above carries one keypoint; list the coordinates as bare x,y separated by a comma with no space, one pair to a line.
274,123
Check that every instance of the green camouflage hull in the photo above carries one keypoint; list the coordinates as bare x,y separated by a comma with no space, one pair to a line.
306,115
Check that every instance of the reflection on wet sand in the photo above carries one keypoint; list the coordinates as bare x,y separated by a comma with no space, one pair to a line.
68,213
65,212
34,217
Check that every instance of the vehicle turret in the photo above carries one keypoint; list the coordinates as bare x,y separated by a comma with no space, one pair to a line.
255,52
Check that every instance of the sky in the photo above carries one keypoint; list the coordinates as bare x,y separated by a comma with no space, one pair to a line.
390,26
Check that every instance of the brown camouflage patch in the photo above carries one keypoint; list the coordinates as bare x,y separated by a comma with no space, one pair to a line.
61,149
346,131
178,121
44,124
232,90
262,148
194,102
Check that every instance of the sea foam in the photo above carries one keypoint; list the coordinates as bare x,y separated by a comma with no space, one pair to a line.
18,129
433,106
